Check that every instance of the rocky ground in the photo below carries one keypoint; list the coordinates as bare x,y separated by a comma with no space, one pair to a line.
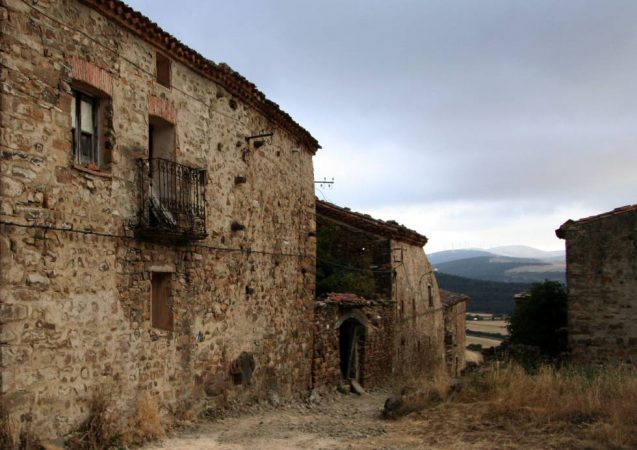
353,422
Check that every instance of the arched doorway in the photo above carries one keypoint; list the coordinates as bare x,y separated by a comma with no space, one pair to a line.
351,349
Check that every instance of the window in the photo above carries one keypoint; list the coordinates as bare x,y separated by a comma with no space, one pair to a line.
163,70
84,125
161,304
161,139
430,295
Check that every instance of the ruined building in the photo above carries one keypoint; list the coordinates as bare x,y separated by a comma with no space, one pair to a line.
379,314
601,273
455,311
157,222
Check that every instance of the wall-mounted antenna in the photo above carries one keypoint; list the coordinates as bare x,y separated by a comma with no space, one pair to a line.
325,182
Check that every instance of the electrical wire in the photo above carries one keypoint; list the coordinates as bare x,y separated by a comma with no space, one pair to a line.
247,251
352,268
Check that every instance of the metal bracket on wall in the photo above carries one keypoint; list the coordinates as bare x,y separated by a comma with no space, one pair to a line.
264,137
325,182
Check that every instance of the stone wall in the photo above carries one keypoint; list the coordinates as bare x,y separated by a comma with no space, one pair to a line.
419,326
326,360
412,333
378,363
455,337
377,360
601,272
75,283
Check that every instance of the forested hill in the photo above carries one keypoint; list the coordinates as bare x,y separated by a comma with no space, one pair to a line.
484,296
504,269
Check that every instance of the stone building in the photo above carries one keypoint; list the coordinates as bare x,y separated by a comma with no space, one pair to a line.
157,222
455,311
350,340
389,320
601,273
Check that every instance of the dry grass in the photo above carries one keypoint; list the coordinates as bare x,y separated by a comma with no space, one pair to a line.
100,429
9,430
417,395
146,424
15,435
601,401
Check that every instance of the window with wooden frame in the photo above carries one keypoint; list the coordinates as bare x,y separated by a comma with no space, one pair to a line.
162,69
84,127
92,135
161,307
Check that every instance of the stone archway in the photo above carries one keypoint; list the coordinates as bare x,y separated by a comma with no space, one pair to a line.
352,335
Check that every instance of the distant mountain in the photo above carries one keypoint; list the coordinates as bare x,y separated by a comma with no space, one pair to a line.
484,296
504,269
454,255
523,251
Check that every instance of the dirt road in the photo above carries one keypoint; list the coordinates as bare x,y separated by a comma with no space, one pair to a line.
333,423
353,422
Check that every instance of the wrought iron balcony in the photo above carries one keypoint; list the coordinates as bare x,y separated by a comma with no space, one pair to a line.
172,201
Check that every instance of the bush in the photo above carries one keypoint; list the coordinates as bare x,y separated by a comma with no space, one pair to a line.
540,319
100,429
338,271
9,429
146,424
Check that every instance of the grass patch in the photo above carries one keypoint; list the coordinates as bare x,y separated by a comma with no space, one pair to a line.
602,401
146,424
417,395
9,430
100,429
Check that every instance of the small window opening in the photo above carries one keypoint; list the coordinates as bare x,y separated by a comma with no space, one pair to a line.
163,70
161,304
430,295
84,129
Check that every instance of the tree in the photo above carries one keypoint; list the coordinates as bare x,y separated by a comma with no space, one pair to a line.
540,319
340,270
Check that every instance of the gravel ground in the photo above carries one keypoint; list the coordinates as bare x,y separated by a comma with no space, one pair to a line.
353,422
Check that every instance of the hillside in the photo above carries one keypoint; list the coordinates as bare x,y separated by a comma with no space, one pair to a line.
523,251
504,269
485,296
454,255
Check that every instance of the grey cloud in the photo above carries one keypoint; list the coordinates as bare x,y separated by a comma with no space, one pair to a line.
421,101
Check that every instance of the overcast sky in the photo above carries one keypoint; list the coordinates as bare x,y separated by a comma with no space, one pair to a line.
476,122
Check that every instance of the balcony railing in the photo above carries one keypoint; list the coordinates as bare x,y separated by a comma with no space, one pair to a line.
172,200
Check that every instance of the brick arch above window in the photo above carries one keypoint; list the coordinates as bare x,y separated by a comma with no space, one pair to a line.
162,108
90,75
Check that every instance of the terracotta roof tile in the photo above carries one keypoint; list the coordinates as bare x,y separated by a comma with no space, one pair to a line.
346,298
615,212
389,229
449,298
222,74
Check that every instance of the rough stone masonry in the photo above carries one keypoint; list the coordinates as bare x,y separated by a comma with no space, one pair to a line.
601,272
402,317
92,91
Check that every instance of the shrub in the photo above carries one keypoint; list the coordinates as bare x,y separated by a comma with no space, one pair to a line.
9,429
146,423
540,319
338,271
100,429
